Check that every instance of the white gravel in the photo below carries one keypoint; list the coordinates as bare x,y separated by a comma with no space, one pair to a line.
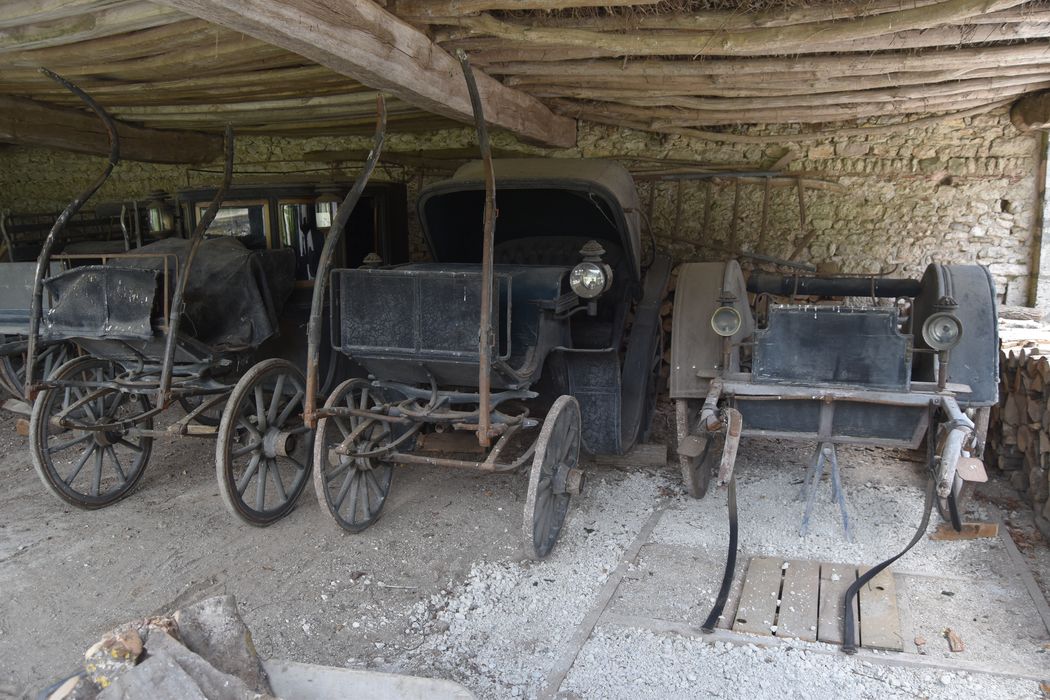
506,625
630,663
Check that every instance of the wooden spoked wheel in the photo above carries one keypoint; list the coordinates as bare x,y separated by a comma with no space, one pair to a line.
354,486
13,367
547,500
262,456
89,468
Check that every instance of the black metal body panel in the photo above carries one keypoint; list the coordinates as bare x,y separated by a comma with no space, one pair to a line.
100,301
824,345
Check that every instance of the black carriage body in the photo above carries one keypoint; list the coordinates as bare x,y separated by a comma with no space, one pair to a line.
419,323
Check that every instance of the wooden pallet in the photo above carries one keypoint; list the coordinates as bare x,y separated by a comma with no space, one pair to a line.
804,600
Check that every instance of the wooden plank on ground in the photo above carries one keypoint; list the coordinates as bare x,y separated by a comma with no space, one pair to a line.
880,622
757,611
834,580
970,531
799,601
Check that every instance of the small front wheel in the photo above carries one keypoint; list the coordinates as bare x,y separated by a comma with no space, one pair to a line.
353,486
557,454
262,456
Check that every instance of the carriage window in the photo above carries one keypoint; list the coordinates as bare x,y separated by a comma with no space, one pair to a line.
300,231
245,221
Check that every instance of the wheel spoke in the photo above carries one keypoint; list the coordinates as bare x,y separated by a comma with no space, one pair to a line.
247,425
116,464
241,451
69,443
340,423
130,445
273,469
260,408
289,407
260,486
96,484
373,483
86,406
246,477
363,496
337,472
344,488
275,400
80,464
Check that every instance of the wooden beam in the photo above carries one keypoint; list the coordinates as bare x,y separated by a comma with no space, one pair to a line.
360,39
20,12
1031,112
428,9
117,19
36,124
935,25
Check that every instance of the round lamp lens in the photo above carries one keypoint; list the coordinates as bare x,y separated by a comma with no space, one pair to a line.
587,280
942,331
726,321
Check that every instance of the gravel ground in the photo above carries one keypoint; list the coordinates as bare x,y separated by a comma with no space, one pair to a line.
438,587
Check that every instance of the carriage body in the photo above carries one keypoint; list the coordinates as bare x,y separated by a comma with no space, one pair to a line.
834,360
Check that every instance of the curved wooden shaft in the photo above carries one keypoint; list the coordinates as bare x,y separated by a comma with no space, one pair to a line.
177,305
43,261
324,263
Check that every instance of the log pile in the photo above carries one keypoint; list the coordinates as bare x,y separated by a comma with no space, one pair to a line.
1019,435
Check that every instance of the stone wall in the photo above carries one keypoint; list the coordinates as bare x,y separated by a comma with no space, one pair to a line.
951,191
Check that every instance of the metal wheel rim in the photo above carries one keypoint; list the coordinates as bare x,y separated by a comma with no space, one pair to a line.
355,489
557,448
260,480
108,464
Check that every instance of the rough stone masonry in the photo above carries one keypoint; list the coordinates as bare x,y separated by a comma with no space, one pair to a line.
956,190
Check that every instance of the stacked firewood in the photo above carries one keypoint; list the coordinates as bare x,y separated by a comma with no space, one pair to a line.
1019,433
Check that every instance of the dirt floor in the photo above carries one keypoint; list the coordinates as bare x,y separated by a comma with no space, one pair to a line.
438,586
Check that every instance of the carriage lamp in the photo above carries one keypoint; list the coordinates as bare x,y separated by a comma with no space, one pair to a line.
726,320
592,277
943,329
160,214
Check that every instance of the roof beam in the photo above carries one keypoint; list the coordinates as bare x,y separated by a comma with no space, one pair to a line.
360,39
33,123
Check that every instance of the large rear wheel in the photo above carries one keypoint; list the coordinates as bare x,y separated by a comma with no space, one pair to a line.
262,455
88,468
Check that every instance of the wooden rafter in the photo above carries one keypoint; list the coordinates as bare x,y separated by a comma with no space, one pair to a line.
360,39
32,123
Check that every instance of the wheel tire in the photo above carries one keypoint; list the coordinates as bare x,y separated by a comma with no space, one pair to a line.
47,440
339,485
267,396
557,449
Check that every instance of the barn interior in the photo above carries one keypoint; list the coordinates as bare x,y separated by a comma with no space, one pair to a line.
850,137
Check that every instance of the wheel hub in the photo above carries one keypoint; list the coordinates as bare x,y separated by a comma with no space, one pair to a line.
279,443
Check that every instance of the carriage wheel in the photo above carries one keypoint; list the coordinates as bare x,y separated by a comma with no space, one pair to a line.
547,501
353,489
13,369
262,456
89,469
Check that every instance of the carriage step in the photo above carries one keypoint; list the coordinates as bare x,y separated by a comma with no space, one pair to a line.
803,600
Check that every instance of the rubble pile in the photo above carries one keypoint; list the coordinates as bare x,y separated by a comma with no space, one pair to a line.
203,651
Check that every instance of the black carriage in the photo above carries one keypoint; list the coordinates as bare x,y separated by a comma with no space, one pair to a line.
835,360
551,312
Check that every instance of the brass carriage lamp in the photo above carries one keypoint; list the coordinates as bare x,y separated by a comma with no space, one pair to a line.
160,213
942,332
